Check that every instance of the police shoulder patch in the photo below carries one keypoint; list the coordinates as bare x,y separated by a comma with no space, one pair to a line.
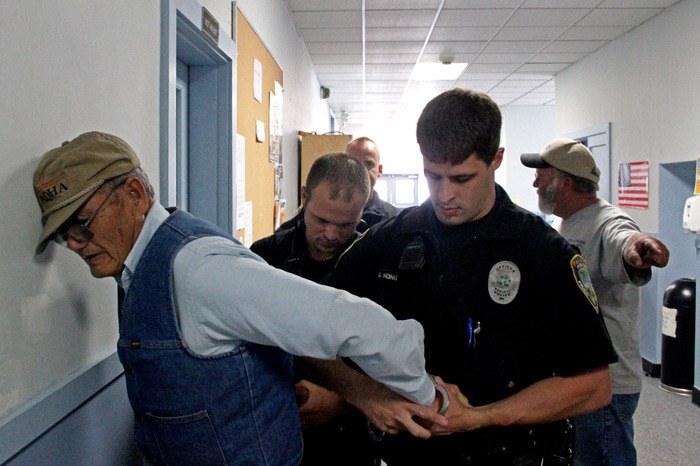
504,282
579,267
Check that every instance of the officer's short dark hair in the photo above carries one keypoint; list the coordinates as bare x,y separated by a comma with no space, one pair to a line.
345,175
457,124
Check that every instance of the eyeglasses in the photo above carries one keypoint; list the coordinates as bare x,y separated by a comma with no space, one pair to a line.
80,231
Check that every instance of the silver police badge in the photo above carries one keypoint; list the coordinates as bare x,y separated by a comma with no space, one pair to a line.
504,282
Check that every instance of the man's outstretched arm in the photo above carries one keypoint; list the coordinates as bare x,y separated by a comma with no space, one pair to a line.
386,410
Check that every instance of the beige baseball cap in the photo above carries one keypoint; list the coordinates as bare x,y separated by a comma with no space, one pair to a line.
567,155
68,175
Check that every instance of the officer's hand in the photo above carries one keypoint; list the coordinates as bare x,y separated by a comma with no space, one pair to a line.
391,413
317,405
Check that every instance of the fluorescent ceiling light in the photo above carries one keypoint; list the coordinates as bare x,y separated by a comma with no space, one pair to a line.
433,71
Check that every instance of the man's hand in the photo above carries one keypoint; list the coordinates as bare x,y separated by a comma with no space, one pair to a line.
392,413
644,251
317,405
385,409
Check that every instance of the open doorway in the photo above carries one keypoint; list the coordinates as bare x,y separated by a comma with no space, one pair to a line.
197,116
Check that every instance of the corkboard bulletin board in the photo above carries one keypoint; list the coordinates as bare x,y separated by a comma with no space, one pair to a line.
313,146
259,171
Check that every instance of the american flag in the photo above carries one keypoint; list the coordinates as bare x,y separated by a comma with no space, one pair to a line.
633,185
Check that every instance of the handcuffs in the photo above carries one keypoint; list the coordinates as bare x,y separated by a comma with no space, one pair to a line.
445,404
377,435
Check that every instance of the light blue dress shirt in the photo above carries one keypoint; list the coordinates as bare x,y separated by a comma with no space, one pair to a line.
226,295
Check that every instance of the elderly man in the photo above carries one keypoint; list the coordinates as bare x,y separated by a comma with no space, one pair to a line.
365,151
203,319
619,259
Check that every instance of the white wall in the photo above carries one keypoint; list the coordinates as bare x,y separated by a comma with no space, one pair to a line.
526,129
81,65
67,67
303,108
647,84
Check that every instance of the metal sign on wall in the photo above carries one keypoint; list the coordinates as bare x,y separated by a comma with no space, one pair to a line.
210,26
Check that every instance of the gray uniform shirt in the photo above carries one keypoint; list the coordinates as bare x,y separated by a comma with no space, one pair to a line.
601,232
226,295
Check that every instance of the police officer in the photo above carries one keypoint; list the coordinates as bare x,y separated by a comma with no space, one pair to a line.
333,198
365,151
509,312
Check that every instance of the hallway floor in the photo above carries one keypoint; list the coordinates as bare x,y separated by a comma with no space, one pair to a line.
667,427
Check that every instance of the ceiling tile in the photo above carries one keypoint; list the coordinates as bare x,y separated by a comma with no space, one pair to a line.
492,67
544,67
396,18
390,68
378,58
522,89
534,99
387,75
386,86
328,19
351,59
547,17
594,32
637,3
334,48
502,58
316,5
394,47
397,34
618,17
460,18
401,4
511,33
330,34
573,46
531,76
560,3
515,47
483,4
530,83
341,76
481,76
338,69
505,95
463,33
481,82
447,47
557,57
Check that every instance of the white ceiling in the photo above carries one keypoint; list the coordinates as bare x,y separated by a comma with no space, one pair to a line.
514,48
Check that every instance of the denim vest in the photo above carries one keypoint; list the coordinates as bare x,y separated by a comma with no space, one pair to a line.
233,408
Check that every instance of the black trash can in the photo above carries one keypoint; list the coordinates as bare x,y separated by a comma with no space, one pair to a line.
678,337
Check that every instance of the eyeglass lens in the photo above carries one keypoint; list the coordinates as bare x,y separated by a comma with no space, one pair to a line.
80,231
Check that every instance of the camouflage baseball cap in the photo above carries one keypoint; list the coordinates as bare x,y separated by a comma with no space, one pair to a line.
68,175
